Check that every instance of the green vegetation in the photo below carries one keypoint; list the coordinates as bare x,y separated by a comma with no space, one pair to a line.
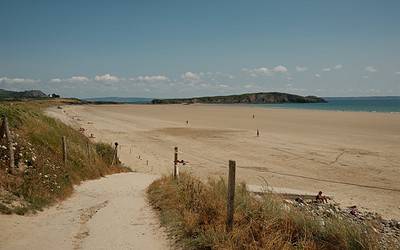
194,214
254,98
29,94
42,177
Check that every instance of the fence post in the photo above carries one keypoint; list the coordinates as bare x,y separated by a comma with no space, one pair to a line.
115,154
6,131
176,170
231,196
88,151
64,145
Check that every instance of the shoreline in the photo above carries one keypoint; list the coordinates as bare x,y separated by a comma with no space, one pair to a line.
354,147
250,105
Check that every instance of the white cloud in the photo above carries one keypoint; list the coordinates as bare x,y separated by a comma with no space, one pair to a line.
365,77
317,75
397,73
301,68
107,78
155,78
17,80
280,69
326,69
370,69
338,66
261,71
56,80
78,79
73,79
289,78
264,71
189,76
223,86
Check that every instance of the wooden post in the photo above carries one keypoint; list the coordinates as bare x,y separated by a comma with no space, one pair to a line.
115,154
88,151
64,145
6,131
2,132
176,170
231,196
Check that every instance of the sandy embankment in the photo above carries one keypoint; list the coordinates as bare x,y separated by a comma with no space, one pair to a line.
109,213
353,155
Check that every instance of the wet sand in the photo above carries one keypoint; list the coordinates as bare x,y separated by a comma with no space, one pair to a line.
355,156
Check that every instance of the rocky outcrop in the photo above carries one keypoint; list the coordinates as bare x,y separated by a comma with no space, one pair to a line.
251,98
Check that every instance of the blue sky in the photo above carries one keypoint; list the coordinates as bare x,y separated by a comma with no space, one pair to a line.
194,48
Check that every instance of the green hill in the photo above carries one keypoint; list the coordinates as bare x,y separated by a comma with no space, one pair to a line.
29,94
250,98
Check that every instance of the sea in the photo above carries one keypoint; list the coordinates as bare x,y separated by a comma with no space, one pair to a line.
387,104
390,104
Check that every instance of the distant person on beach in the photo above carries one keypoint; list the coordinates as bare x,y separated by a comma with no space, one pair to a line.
258,133
253,116
187,122
321,198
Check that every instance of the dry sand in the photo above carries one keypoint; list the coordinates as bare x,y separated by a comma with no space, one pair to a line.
109,213
355,156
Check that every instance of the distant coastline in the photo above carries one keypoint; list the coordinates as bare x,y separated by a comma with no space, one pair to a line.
247,98
386,104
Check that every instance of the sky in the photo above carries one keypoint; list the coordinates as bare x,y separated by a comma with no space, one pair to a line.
190,48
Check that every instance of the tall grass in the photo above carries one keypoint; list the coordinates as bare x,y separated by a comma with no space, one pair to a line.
194,214
39,152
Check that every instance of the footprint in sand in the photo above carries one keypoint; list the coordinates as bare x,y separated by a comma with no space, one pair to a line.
85,215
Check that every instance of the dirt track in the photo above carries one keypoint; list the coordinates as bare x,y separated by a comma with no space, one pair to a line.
109,213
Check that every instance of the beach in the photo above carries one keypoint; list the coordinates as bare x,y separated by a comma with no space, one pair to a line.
352,156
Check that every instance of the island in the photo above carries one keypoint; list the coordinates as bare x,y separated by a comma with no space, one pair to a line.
250,98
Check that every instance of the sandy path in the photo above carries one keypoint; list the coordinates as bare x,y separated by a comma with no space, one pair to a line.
109,213
353,155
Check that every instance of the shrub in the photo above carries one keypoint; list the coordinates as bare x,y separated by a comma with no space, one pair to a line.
194,214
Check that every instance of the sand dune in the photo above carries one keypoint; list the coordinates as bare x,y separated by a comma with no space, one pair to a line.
354,156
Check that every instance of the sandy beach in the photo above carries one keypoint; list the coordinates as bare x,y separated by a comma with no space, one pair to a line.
354,156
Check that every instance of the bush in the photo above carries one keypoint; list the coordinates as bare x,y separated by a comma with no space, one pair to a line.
38,153
194,214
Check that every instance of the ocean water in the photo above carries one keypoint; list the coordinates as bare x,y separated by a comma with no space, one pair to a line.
363,104
132,100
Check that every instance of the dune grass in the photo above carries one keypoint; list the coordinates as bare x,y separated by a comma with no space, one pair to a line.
42,177
194,215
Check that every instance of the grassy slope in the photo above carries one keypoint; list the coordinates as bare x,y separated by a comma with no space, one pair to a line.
194,214
43,179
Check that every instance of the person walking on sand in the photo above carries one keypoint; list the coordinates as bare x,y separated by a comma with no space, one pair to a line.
258,133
